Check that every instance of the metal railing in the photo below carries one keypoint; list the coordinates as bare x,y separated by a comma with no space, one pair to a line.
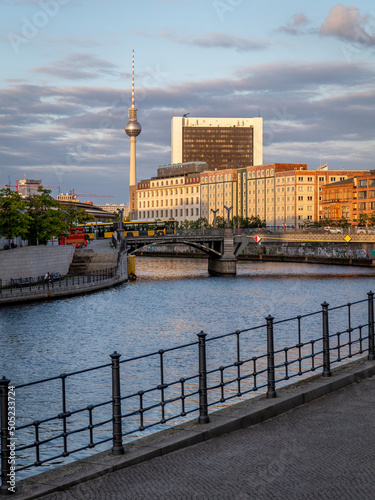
185,382
21,287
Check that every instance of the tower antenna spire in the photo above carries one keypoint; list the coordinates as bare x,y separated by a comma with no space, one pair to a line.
133,106
132,129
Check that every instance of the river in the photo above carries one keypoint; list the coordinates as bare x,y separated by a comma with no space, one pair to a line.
170,302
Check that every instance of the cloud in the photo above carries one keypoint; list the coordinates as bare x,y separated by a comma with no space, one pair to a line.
75,134
348,24
216,40
229,42
78,66
296,25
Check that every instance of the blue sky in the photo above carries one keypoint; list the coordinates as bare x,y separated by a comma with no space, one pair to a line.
307,68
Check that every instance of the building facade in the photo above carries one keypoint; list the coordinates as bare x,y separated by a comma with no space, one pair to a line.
352,199
174,193
220,142
279,193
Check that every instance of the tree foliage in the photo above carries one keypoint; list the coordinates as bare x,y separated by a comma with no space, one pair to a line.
14,220
37,218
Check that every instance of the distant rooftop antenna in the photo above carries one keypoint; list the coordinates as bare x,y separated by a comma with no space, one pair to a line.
133,106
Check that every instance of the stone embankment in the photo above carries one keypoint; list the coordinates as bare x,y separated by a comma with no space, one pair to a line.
85,270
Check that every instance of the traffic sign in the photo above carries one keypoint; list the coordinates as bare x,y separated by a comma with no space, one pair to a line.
257,239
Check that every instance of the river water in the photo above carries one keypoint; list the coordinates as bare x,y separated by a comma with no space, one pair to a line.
171,301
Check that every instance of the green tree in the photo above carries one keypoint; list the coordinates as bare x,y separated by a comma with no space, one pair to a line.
221,222
200,223
343,222
362,219
13,219
371,219
75,216
46,217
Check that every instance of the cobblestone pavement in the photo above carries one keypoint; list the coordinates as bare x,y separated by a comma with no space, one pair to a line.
322,450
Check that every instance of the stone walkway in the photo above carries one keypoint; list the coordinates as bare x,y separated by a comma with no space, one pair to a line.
323,449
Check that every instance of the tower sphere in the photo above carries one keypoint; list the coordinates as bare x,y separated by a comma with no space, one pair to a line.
133,128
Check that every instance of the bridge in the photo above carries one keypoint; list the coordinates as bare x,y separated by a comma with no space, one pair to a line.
223,246
220,245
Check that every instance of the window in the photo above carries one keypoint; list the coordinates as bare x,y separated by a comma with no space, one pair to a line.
362,194
362,206
363,183
300,198
371,182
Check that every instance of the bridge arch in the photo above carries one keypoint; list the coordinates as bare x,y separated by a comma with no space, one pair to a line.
157,242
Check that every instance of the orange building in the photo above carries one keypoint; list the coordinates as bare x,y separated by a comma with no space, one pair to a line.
337,200
363,195
349,198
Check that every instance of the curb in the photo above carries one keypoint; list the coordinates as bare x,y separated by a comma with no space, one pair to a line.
235,417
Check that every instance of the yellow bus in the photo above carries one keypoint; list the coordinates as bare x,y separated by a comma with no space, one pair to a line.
133,228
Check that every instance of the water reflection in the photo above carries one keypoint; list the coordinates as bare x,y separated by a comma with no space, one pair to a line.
171,301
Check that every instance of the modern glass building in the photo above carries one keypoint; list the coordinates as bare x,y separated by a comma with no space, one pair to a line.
221,142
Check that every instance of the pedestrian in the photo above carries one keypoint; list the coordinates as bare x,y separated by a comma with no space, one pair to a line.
47,278
12,245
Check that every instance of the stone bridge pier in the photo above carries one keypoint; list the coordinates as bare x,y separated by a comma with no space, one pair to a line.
226,264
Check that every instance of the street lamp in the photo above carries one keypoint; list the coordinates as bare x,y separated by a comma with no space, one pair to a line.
228,209
214,212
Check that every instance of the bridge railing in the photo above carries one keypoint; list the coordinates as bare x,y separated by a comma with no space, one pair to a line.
72,413
210,231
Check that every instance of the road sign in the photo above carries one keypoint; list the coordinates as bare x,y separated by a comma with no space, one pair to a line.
257,239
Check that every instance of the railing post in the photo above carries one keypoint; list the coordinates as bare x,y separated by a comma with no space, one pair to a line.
371,344
5,437
117,448
203,404
271,387
326,352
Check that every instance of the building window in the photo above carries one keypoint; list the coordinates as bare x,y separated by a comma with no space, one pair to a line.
362,194
362,206
363,183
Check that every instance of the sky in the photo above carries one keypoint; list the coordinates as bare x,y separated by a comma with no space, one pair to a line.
65,85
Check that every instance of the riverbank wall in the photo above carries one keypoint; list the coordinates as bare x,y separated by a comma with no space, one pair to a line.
34,261
22,271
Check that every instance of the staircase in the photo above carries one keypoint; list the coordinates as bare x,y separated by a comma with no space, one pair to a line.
86,261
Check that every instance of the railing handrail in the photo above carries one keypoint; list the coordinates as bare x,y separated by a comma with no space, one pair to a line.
267,368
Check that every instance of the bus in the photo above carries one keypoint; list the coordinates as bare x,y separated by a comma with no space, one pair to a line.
135,228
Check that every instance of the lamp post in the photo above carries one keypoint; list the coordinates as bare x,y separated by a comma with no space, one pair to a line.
214,212
228,209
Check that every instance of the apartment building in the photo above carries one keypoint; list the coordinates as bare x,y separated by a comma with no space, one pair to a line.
278,193
349,198
173,193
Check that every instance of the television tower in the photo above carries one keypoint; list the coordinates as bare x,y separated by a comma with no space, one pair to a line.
132,129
